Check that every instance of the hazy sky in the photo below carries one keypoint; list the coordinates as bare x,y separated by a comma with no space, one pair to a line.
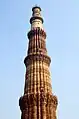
61,22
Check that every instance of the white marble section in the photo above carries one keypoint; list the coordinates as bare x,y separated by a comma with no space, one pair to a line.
36,23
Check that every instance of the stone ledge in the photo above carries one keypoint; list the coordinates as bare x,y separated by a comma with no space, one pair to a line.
36,57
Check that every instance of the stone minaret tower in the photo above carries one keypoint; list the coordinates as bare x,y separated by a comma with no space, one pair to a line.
38,102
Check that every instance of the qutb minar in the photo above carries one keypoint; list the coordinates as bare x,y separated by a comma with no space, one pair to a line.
38,101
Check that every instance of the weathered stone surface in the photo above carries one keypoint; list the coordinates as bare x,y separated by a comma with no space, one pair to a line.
38,102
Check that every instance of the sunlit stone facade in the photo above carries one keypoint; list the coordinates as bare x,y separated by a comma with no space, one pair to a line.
38,101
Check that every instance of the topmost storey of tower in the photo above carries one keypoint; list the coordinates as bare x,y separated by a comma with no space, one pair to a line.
36,7
36,20
36,11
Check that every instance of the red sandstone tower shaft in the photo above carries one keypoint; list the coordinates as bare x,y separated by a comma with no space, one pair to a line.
38,102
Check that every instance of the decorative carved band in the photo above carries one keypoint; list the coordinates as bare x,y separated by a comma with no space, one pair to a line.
36,57
36,17
35,31
33,99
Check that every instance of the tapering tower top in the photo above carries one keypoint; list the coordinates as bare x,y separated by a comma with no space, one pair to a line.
36,7
36,19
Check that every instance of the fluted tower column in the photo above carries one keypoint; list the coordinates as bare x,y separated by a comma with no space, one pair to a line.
38,101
